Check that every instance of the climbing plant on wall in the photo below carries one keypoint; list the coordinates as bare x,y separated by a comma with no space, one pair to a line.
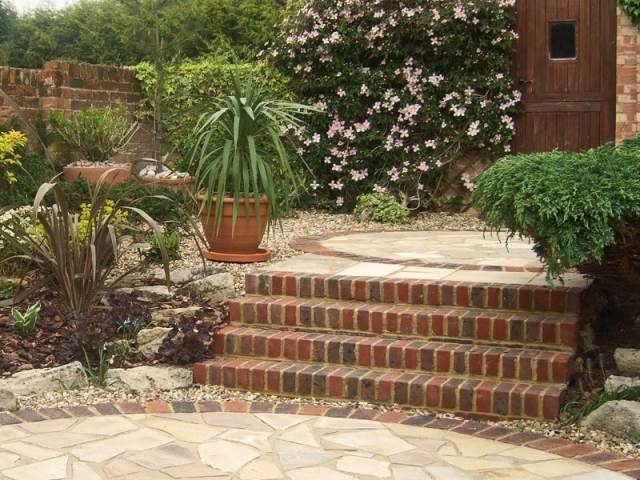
631,8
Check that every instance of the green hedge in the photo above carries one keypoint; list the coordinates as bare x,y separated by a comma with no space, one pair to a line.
189,87
580,209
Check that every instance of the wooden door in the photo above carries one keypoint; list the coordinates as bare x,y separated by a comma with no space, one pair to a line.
565,67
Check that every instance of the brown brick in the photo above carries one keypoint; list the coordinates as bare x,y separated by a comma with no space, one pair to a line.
568,332
557,301
417,390
401,389
363,320
573,451
375,290
467,395
447,294
549,331
492,362
360,289
406,323
348,314
501,398
368,386
305,379
450,393
305,285
525,298
551,402
389,292
483,327
478,296
527,361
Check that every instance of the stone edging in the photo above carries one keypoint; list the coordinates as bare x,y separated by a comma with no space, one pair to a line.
313,244
558,446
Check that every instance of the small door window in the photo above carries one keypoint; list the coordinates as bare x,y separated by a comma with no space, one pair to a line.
562,40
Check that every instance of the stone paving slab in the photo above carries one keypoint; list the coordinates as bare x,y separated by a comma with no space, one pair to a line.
456,256
250,441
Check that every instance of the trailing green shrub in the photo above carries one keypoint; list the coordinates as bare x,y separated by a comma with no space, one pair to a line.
380,207
190,87
581,209
407,88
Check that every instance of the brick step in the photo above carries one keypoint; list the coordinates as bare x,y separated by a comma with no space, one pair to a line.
474,398
418,356
424,322
524,298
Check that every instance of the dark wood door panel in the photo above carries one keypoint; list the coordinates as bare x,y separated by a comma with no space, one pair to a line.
566,56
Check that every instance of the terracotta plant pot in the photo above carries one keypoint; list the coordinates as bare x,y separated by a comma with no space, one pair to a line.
174,184
119,174
243,245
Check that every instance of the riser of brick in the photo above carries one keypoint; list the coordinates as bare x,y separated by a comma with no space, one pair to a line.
526,298
423,322
370,352
469,397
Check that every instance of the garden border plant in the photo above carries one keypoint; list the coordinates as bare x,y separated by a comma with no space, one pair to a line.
409,89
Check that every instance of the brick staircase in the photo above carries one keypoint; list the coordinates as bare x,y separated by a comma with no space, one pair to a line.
475,349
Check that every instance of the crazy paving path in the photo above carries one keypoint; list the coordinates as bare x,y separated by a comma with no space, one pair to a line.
261,446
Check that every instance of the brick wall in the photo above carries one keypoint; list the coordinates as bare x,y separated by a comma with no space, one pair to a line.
627,78
72,86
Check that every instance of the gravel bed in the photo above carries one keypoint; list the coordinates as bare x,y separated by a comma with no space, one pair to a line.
305,223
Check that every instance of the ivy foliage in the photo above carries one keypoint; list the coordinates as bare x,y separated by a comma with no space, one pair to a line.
580,209
631,8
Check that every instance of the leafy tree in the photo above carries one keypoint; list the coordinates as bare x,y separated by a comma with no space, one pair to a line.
33,39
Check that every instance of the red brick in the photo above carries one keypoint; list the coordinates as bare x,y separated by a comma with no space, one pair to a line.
568,332
348,318
437,323
402,292
346,290
363,320
492,362
406,323
332,314
385,387
549,331
392,319
380,353
560,370
364,349
484,396
316,410
433,294
411,356
291,286
417,293
336,382
200,373
483,328
542,367
552,401
525,298
499,329
557,301
158,406
389,292
443,359
493,296
433,392
235,310
624,465
243,378
532,401
291,314
462,295
277,283
541,299
572,451
453,325
476,361
304,348
377,320
360,290
392,417
319,287
450,393
527,362
517,400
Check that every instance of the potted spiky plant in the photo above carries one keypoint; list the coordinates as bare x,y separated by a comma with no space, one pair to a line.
243,169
